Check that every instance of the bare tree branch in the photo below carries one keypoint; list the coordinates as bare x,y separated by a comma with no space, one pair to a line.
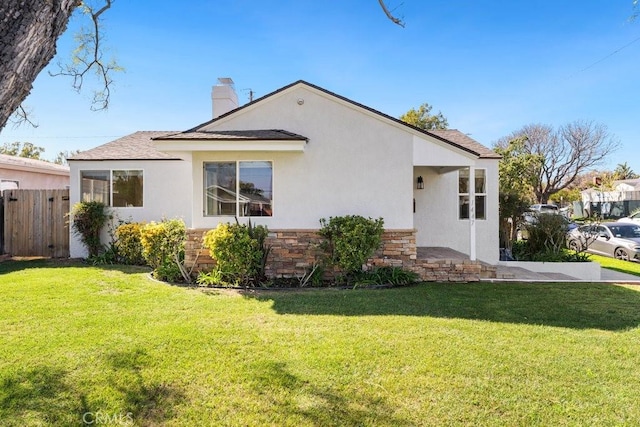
393,19
88,58
22,116
567,152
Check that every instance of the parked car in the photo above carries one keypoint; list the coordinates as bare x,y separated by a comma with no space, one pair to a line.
544,208
531,217
634,218
613,239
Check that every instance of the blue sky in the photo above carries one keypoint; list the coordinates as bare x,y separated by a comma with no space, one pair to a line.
489,66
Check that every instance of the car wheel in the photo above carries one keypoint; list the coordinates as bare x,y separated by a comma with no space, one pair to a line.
621,254
574,245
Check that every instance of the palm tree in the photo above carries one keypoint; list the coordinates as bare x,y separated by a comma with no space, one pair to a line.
623,171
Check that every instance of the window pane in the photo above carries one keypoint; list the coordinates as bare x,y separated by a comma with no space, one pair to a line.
464,207
480,181
95,186
127,188
481,207
220,188
256,189
463,181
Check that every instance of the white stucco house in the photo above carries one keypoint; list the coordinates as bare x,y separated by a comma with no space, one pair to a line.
294,156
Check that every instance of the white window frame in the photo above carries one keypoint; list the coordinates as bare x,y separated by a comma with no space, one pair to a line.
478,195
110,196
237,190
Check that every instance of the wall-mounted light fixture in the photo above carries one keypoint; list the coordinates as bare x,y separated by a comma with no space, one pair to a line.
420,183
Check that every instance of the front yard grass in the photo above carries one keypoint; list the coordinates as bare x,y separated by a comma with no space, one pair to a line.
110,344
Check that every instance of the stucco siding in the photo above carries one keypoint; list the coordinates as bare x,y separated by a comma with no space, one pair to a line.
167,192
431,152
35,180
352,164
437,219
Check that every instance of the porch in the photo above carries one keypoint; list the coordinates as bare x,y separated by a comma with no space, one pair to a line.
441,264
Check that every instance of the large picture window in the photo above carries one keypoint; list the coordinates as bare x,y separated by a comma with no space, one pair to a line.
480,190
238,188
116,188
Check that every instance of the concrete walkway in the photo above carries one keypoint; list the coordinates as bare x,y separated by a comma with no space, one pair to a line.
518,274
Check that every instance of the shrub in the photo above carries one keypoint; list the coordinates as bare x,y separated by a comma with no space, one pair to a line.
88,219
240,252
163,249
350,241
546,241
128,245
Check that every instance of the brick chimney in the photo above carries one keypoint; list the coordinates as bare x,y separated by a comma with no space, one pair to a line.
224,97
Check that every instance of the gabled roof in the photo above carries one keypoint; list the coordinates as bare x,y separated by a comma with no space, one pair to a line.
451,137
136,146
32,165
236,135
140,145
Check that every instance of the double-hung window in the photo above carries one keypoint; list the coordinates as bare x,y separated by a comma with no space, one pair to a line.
238,188
116,188
480,190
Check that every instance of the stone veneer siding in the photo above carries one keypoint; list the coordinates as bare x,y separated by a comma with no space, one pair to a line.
294,252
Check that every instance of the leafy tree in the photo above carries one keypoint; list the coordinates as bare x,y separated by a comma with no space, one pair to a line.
566,152
566,195
22,149
624,171
516,179
62,156
423,119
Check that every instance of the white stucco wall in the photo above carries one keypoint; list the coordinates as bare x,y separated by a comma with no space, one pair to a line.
354,163
436,216
167,192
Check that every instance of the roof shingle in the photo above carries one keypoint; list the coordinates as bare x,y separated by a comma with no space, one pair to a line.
136,146
463,140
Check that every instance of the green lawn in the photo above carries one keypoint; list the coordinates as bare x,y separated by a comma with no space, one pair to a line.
113,346
628,267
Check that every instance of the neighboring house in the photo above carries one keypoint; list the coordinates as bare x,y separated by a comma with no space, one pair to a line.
294,156
30,174
618,202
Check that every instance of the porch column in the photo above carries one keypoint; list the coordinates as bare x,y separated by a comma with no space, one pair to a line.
472,213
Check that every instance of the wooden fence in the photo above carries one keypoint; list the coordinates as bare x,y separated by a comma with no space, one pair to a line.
36,223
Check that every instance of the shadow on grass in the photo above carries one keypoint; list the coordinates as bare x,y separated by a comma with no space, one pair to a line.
292,396
40,396
570,305
44,395
12,265
147,402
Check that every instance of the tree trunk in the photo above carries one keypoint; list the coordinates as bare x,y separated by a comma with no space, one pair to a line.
29,31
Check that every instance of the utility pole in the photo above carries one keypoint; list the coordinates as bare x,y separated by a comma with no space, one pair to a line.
250,94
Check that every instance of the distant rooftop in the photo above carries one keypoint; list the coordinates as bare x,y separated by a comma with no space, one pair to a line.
15,162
